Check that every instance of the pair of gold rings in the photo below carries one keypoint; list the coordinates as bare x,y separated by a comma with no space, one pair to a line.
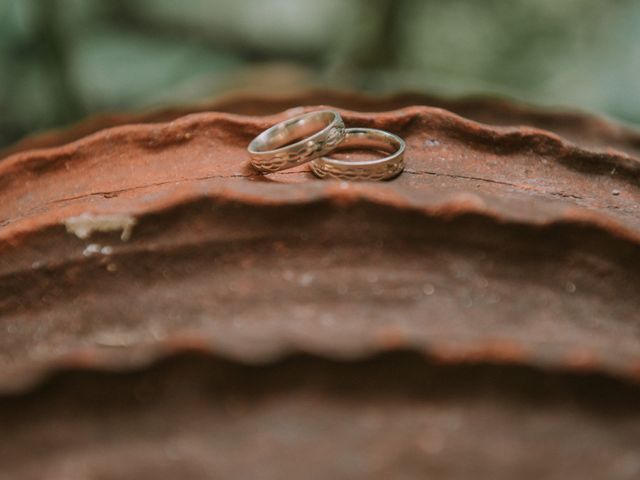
313,136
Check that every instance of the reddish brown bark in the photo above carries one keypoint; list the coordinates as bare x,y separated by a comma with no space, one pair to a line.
502,268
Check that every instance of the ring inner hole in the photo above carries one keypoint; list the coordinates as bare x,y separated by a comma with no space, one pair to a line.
358,148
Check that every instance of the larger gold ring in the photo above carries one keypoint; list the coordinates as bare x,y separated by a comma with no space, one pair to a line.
296,141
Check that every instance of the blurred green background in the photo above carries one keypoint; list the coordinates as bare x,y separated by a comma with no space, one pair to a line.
61,60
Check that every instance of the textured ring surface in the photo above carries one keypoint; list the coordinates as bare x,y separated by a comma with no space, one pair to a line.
377,169
296,141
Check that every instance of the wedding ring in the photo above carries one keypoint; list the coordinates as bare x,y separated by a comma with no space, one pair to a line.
377,169
296,141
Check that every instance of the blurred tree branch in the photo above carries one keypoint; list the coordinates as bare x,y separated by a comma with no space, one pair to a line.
49,44
125,14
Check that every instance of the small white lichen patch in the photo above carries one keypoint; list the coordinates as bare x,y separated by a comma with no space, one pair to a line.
84,225
91,249
94,248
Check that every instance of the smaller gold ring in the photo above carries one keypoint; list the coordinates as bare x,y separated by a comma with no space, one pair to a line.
376,169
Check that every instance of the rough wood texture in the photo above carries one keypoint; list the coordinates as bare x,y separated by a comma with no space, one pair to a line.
393,416
504,264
